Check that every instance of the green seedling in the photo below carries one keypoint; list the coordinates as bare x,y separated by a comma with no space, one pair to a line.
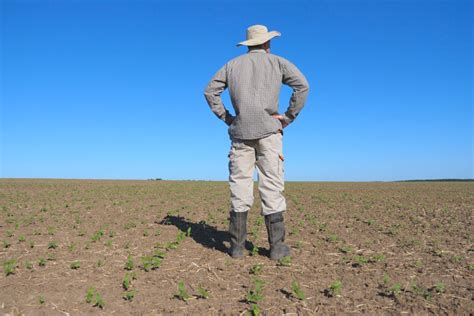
71,247
97,236
256,269
151,263
203,293
182,294
9,233
129,295
254,251
188,231
129,265
359,260
377,257
21,238
145,233
332,238
335,288
440,288
75,265
99,263
9,267
127,280
90,294
420,290
285,261
297,291
52,245
6,244
42,262
395,290
41,299
254,310
28,265
255,295
99,301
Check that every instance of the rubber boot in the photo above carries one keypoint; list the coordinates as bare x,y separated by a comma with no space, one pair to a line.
276,236
238,233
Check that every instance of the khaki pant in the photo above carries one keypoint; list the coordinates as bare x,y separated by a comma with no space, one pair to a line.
267,155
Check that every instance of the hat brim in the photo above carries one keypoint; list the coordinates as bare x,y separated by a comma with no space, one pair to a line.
260,40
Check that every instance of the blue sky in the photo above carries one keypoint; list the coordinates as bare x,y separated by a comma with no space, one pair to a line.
114,89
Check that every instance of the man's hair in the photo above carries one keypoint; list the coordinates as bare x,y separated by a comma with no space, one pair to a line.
261,46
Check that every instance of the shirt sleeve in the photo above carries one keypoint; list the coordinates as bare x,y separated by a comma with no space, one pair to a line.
293,77
213,93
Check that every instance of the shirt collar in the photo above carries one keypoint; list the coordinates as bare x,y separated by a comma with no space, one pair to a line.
259,50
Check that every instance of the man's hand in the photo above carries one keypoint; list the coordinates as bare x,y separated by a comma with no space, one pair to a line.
280,117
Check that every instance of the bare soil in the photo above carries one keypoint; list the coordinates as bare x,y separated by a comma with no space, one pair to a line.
395,248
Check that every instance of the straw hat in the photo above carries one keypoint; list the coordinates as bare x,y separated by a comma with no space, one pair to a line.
258,34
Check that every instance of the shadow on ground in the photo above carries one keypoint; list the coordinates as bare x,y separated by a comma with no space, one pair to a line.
204,234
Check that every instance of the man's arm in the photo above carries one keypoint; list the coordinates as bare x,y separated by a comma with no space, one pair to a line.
293,77
213,93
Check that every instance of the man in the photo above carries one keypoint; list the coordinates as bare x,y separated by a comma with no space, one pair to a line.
256,131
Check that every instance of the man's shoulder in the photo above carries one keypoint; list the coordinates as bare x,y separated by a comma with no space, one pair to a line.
238,59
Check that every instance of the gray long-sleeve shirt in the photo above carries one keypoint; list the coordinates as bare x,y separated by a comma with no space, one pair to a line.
254,81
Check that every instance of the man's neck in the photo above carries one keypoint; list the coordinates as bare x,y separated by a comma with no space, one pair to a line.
259,50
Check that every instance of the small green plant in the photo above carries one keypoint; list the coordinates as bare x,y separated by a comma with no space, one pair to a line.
75,265
182,293
359,261
254,251
90,294
255,295
334,288
29,265
297,291
440,288
42,262
9,233
52,245
151,263
93,296
6,244
21,238
254,310
31,244
98,235
9,267
127,280
332,238
188,231
285,261
203,293
420,290
41,299
377,257
99,263
395,290
71,247
129,265
256,269
129,295
99,301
